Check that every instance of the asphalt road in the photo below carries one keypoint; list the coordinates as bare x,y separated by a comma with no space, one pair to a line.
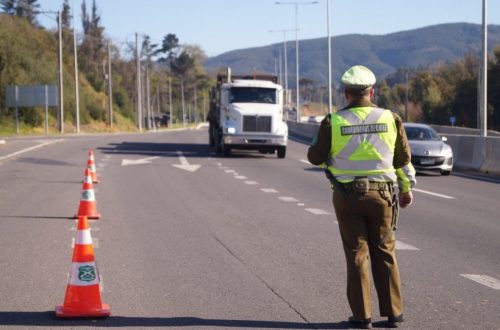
248,241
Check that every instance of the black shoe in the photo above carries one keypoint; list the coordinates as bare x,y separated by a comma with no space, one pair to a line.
392,321
360,324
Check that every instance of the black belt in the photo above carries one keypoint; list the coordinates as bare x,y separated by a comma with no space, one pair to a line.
373,185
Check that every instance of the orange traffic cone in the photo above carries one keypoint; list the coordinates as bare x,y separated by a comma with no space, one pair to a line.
91,166
83,298
87,206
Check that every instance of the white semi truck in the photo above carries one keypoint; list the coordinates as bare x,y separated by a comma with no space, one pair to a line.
246,112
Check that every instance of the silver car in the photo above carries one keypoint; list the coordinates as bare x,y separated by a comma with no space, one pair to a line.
428,150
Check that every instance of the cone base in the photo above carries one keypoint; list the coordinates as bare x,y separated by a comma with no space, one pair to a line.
62,312
90,217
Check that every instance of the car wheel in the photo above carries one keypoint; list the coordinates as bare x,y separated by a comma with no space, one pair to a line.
445,172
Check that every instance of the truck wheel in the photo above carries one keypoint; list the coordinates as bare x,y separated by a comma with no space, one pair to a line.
217,142
226,151
281,152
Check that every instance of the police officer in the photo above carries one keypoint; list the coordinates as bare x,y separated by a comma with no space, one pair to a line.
366,151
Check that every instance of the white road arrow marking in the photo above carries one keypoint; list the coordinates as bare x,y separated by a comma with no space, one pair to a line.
486,280
184,165
142,161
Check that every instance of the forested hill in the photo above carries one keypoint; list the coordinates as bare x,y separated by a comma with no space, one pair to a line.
382,53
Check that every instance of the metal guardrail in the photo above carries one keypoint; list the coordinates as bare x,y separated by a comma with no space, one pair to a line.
470,151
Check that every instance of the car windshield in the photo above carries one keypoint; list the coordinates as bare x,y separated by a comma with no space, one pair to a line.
421,133
252,95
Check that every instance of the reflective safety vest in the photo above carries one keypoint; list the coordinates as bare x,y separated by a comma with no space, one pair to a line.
363,142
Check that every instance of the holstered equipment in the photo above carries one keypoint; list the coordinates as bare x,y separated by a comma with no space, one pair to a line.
336,185
395,207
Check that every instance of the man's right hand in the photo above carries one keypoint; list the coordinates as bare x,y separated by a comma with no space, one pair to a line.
405,199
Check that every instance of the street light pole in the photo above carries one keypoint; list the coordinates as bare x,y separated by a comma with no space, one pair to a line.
329,57
61,94
296,4
483,79
286,67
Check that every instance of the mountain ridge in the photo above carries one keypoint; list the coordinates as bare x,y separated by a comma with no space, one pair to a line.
384,54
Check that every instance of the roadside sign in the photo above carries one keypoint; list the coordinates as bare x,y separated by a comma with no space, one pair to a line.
31,96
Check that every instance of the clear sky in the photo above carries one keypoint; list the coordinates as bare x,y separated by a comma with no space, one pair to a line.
218,26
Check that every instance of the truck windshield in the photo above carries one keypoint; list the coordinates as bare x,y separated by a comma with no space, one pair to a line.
252,95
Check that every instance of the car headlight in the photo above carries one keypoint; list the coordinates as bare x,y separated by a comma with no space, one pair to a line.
447,151
231,130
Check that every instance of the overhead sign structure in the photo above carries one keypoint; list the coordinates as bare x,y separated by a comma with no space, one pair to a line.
32,96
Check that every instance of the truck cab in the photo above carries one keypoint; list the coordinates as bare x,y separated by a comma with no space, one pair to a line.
247,113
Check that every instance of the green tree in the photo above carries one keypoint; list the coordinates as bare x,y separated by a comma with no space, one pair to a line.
8,6
92,48
28,9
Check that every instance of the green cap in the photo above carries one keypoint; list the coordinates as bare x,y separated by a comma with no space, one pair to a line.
358,77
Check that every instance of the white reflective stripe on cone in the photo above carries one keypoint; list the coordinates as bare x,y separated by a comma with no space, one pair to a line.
83,237
83,274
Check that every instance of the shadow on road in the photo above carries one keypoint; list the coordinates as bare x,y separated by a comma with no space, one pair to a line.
189,150
157,149
48,319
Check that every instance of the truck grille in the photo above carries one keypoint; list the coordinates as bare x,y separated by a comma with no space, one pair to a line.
257,124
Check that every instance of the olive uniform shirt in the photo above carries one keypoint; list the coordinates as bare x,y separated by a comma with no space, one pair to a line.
320,148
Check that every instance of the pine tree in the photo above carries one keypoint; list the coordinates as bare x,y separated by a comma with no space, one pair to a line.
8,6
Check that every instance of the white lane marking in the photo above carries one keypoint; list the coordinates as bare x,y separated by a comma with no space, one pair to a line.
288,199
240,177
269,190
251,182
336,222
318,211
486,280
305,161
301,204
403,246
230,171
43,144
433,193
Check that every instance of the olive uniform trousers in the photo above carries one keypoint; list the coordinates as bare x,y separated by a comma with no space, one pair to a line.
365,222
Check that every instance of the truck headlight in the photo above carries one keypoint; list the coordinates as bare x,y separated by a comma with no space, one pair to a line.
231,130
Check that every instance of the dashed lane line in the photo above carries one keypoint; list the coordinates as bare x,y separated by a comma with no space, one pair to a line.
433,193
252,183
288,199
486,280
269,190
403,246
318,211
305,162
240,177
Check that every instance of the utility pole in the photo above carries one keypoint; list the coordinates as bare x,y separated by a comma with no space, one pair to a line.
406,96
138,83
329,57
195,102
483,78
77,92
148,99
110,89
183,108
296,4
170,99
61,95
